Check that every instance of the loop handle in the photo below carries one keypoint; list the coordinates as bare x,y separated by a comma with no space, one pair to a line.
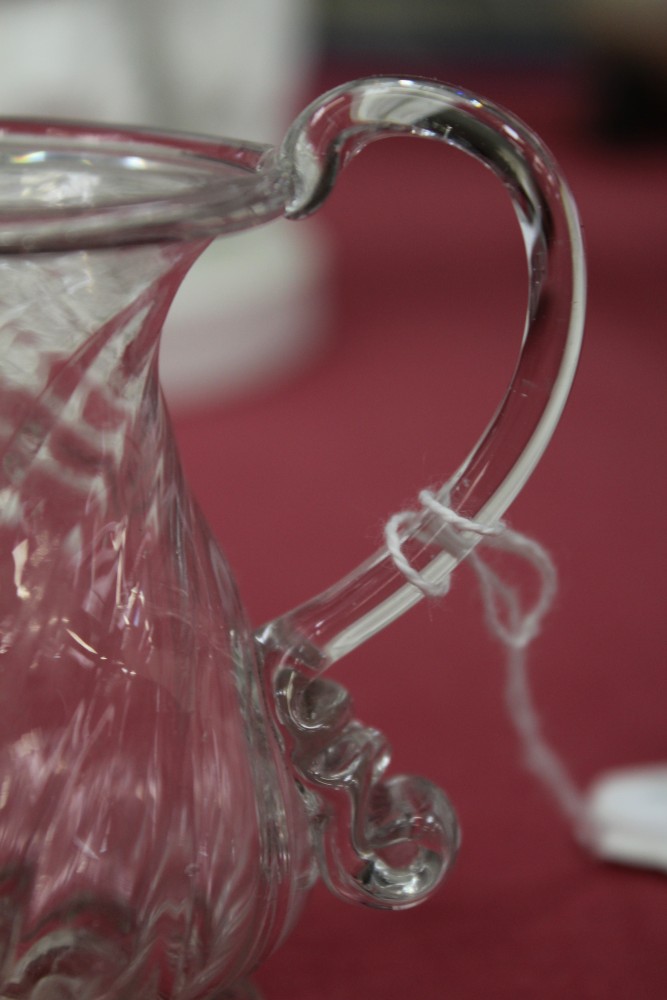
362,840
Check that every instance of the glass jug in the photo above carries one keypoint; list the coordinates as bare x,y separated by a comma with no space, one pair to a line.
171,783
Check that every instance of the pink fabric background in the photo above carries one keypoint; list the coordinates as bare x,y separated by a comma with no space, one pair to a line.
428,292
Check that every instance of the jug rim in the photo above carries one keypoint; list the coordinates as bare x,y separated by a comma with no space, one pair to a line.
67,185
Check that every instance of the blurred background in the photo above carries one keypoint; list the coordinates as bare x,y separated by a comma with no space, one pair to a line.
242,69
320,374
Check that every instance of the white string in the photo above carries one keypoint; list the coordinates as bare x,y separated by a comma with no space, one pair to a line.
516,627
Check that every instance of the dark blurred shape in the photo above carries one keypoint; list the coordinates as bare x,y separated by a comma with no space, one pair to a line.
631,99
481,31
628,41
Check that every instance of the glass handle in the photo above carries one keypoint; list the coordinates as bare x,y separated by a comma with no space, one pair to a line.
363,822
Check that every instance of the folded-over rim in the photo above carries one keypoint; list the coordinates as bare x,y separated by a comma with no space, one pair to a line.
77,185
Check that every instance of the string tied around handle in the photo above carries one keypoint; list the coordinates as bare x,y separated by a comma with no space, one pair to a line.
514,625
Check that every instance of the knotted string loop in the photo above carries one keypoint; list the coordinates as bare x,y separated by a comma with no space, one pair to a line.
514,625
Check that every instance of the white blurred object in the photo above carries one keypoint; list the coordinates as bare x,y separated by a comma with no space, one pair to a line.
253,313
237,68
627,812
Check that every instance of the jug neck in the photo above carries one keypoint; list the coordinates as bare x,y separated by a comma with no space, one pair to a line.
80,406
98,226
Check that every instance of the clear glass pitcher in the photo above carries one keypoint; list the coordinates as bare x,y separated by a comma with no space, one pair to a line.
171,783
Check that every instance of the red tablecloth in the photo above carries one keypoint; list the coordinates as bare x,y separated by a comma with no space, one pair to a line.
427,295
